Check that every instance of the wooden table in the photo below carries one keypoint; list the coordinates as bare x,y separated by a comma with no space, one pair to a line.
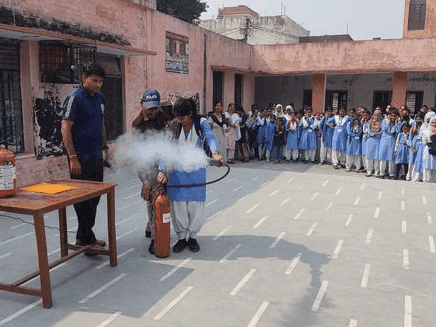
37,204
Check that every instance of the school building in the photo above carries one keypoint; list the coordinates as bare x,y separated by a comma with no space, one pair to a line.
43,46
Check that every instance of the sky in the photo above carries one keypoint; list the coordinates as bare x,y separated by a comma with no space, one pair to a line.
364,19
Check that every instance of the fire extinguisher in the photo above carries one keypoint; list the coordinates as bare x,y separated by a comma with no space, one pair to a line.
8,178
162,226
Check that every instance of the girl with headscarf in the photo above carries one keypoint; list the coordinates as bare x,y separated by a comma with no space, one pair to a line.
387,144
373,136
418,169
218,125
429,159
414,142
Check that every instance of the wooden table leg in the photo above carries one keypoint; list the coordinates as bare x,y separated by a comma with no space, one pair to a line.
111,227
44,269
63,231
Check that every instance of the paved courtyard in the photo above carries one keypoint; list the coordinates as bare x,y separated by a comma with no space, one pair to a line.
284,245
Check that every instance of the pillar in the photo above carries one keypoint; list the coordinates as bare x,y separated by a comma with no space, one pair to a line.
318,92
399,89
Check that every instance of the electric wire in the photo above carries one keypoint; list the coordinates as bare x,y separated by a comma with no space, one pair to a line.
30,223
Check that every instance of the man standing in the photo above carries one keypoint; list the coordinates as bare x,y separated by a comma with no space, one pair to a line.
150,118
84,139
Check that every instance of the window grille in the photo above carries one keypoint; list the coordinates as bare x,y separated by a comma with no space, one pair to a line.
11,119
417,12
62,63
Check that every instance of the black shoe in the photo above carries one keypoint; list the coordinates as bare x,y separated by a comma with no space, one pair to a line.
151,247
193,245
180,246
147,234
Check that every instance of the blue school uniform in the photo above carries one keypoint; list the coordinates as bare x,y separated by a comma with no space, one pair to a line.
326,130
365,129
269,135
413,144
354,147
340,135
387,142
402,149
261,123
308,139
372,145
417,143
292,138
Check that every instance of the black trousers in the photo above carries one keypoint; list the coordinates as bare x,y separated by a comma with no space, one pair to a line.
92,170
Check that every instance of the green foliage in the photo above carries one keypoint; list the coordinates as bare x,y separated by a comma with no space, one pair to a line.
187,10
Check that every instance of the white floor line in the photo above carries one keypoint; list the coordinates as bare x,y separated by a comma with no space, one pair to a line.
214,215
252,208
275,192
299,213
240,199
262,185
424,199
232,251
353,323
338,191
173,303
314,196
260,222
210,203
103,288
255,178
5,255
406,259
19,225
16,238
110,319
377,212
362,186
310,231
242,282
293,264
404,227
172,271
320,295
403,205
337,249
19,312
349,220
277,240
291,180
221,233
125,234
429,219
229,181
402,190
238,188
430,243
369,236
328,207
379,195
284,202
119,257
356,202
54,251
325,183
123,221
407,311
258,314
365,275
131,196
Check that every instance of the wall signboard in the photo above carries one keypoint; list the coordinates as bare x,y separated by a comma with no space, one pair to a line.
177,53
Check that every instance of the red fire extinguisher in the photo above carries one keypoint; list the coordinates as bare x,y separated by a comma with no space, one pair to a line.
8,178
162,226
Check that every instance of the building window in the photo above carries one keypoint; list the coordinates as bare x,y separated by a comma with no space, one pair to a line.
381,99
11,114
417,10
217,87
336,99
414,100
239,86
307,98
62,63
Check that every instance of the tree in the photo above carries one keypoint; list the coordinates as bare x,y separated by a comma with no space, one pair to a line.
187,10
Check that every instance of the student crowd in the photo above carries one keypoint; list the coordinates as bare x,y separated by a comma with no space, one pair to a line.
385,144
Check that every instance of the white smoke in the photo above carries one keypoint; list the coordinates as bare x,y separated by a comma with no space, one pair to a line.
146,150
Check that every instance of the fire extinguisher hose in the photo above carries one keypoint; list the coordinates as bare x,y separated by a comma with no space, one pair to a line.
201,184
